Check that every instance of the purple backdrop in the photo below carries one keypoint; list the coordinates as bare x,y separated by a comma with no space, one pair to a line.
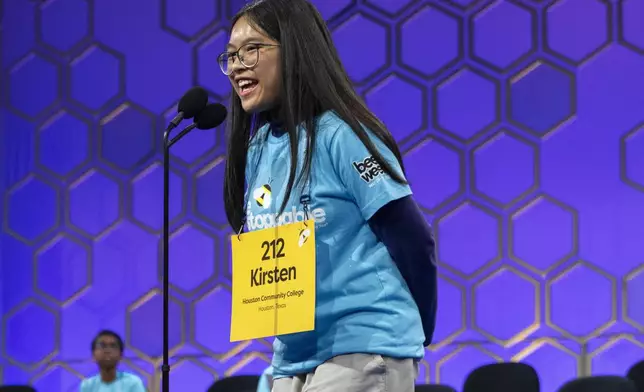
523,128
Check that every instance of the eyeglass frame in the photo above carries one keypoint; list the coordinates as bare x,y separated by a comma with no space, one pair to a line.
259,45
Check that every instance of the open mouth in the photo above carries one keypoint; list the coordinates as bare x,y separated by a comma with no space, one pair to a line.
246,86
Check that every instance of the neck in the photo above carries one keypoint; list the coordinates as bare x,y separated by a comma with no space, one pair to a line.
274,117
108,375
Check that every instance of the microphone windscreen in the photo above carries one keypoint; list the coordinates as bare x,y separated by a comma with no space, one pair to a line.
211,116
193,101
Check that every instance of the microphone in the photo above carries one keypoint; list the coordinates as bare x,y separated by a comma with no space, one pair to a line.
192,102
210,117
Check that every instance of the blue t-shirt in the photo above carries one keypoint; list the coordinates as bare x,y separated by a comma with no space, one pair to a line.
363,305
265,380
125,382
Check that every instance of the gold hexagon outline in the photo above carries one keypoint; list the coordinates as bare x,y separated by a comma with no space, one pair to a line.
140,372
534,37
68,204
424,364
89,261
463,8
593,53
59,85
83,41
450,338
459,349
204,283
165,26
610,343
574,248
194,180
370,5
196,50
128,325
246,358
625,297
542,342
195,362
56,342
623,157
535,161
499,241
121,83
342,14
548,302
226,260
131,184
525,332
38,144
7,201
192,340
53,366
520,74
112,115
620,31
424,99
387,63
435,112
450,64
460,155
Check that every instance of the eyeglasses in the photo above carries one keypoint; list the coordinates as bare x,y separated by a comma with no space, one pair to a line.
248,56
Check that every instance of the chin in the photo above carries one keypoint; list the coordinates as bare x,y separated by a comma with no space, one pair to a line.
250,107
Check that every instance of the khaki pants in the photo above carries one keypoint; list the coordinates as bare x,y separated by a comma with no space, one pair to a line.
355,373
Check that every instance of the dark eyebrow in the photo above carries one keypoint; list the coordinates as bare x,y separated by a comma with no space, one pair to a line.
244,42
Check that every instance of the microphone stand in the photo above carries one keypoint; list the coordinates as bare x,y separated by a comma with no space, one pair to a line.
167,143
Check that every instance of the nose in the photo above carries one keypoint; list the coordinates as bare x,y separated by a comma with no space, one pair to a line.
236,66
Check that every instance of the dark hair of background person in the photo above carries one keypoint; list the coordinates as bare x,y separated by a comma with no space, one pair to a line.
313,81
113,334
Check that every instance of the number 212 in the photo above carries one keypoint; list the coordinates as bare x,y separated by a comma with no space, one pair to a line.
275,247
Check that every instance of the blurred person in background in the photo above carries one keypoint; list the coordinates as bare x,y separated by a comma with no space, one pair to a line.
107,350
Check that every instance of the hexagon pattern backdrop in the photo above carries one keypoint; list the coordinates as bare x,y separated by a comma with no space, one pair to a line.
522,124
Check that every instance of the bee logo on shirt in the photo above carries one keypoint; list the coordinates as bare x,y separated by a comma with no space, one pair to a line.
263,196
304,236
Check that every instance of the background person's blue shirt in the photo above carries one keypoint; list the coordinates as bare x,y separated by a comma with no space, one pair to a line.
124,382
363,305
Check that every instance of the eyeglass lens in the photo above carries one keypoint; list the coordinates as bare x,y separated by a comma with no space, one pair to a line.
248,55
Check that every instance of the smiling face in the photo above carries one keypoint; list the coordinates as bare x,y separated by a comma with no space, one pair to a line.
257,81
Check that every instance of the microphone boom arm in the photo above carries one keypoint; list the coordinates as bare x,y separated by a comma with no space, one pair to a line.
181,134
165,367
168,142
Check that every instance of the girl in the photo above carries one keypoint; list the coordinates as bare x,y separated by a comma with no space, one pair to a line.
302,138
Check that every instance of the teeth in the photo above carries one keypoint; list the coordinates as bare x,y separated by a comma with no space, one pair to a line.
244,82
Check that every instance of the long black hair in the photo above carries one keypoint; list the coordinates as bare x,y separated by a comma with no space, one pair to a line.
313,82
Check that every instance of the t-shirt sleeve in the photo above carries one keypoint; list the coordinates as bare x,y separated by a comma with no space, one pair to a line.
364,179
137,385
84,386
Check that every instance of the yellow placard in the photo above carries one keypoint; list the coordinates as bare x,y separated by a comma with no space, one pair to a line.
273,281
